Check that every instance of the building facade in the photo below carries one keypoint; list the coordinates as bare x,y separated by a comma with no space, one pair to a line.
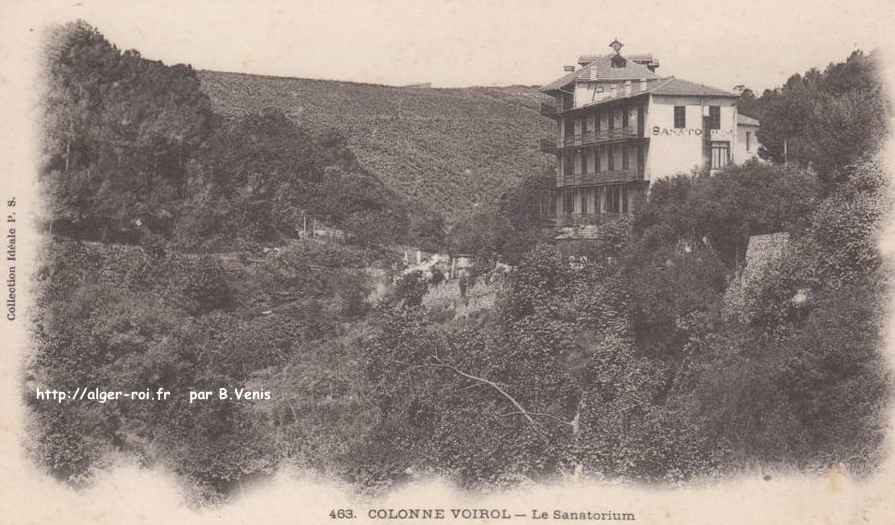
620,127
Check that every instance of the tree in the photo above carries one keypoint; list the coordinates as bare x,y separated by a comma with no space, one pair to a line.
482,236
120,128
827,119
724,209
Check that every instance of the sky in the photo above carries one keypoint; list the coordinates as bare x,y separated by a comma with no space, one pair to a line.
461,43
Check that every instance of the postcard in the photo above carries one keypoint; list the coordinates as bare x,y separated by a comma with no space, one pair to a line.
446,262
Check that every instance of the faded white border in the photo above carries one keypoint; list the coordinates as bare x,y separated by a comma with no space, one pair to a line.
127,494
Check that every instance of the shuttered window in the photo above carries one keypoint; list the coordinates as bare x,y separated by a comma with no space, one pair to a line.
714,117
568,205
680,117
613,194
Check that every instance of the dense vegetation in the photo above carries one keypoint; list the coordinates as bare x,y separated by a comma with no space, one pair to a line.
823,119
656,361
507,229
134,153
662,359
451,149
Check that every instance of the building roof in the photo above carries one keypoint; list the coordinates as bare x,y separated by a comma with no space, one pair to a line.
560,83
677,86
746,120
661,86
601,68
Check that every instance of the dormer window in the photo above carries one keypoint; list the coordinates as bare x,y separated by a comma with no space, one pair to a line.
617,60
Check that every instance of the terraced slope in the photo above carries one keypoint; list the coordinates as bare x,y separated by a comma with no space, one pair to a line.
451,149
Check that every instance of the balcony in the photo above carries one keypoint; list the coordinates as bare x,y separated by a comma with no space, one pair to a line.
621,133
601,177
584,219
549,110
548,146
602,136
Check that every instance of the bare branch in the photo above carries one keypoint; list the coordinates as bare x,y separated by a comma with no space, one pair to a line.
493,385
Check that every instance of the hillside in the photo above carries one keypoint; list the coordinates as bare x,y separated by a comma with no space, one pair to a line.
173,263
448,148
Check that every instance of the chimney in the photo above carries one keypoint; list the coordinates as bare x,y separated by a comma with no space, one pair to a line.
646,59
627,88
568,69
584,60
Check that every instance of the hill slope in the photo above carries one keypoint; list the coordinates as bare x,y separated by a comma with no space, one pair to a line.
447,148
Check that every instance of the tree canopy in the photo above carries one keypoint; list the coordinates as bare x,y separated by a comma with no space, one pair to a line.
826,119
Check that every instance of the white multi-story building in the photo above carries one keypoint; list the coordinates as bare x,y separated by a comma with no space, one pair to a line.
621,126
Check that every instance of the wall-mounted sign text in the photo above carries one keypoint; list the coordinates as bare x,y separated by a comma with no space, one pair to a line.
696,132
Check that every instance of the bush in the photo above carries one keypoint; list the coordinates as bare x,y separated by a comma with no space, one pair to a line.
410,289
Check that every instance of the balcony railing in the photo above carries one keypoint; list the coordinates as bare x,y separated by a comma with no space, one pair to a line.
621,133
549,110
600,177
601,136
584,219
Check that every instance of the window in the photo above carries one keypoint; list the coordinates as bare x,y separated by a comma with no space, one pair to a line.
748,141
623,195
584,195
568,205
641,118
597,121
587,164
567,164
714,117
597,160
624,118
680,117
720,155
577,162
640,157
613,196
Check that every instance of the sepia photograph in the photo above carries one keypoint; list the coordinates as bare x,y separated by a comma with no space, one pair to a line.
447,262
